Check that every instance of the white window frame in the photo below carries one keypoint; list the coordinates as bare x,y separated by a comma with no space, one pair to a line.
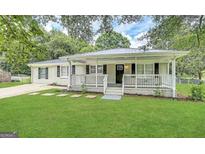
42,68
66,72
143,67
93,68
146,68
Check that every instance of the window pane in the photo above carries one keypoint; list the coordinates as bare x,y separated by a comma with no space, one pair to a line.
42,73
140,68
58,71
63,70
149,69
92,69
100,69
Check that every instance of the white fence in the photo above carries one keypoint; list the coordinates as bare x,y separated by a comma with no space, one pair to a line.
188,81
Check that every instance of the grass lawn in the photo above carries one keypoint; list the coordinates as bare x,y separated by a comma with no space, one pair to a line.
185,89
133,116
12,84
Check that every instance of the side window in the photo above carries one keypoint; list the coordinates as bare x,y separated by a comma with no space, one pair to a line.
58,71
43,73
64,71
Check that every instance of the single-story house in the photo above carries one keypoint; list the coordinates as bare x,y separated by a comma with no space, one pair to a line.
114,71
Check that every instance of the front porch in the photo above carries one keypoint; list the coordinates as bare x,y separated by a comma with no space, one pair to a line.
142,84
132,72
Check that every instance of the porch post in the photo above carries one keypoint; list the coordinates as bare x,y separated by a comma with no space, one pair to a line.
96,73
135,74
174,78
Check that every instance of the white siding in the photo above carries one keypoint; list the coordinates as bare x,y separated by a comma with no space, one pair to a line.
52,76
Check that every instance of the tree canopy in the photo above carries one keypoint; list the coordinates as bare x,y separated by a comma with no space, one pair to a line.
181,33
81,26
25,40
112,39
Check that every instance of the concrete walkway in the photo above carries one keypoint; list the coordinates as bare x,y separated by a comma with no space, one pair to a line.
24,89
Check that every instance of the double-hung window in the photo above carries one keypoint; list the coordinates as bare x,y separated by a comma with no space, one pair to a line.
99,69
145,68
149,68
64,71
43,73
140,68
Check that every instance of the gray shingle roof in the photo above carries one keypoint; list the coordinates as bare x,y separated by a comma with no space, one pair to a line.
54,61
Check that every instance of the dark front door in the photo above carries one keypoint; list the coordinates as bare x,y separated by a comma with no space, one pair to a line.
119,72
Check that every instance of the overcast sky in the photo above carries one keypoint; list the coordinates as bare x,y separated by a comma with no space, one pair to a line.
132,31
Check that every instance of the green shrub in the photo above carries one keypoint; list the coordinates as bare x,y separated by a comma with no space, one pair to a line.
158,92
197,93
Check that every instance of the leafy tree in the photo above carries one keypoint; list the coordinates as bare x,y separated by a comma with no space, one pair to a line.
81,26
18,39
111,40
89,48
21,28
59,45
181,33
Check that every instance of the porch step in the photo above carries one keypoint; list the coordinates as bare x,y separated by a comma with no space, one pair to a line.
113,91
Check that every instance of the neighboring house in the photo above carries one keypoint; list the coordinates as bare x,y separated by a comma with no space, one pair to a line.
5,76
114,71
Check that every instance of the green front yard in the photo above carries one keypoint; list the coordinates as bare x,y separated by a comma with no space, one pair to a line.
185,89
133,116
12,84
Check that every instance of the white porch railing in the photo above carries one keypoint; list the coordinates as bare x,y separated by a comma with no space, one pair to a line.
87,79
147,80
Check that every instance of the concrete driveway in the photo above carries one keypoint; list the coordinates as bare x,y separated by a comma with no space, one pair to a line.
24,89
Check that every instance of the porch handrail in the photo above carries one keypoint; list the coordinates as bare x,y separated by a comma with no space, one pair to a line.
87,79
146,80
104,84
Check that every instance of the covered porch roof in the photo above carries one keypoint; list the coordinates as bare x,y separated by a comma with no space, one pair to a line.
125,55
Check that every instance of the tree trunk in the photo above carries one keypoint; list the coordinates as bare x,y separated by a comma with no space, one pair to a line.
199,30
199,75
